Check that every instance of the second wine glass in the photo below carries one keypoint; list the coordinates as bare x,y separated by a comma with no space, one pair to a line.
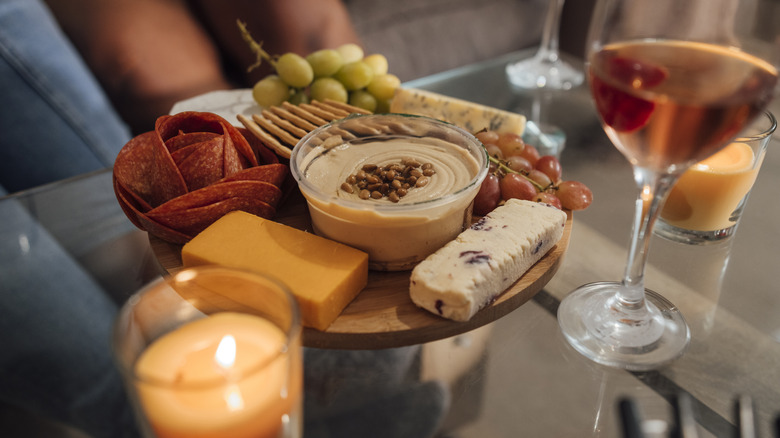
546,69
669,93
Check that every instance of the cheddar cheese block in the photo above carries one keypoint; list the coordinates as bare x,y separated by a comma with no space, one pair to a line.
470,116
483,261
325,276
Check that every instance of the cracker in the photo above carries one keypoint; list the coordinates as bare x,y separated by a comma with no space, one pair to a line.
286,125
303,113
266,138
275,130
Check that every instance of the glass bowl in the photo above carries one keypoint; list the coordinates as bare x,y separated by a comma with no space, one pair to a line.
396,231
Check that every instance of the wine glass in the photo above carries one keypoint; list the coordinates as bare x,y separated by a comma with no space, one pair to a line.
546,69
673,81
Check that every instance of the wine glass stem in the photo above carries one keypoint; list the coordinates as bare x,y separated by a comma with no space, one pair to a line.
653,188
548,49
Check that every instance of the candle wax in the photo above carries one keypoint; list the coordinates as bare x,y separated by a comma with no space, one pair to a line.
227,375
706,194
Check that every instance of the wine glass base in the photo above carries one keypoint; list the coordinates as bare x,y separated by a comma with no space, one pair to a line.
540,72
548,139
590,323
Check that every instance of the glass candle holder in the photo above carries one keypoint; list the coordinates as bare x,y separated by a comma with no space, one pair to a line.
706,203
212,352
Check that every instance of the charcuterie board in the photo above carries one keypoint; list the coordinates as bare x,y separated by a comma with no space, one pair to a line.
383,315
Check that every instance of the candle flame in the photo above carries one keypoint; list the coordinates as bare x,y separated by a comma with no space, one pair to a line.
225,356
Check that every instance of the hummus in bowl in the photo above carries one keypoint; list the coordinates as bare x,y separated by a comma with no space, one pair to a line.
396,186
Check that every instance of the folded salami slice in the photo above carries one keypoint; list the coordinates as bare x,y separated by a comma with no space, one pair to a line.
145,168
270,173
191,170
192,221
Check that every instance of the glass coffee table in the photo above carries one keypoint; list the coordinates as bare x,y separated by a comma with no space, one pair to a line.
515,376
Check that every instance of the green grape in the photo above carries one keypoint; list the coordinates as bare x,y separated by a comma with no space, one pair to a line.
325,62
383,87
383,105
299,97
328,88
363,99
270,91
355,75
378,63
350,52
294,70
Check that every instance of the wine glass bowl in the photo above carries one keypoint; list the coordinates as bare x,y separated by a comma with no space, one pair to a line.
660,114
668,94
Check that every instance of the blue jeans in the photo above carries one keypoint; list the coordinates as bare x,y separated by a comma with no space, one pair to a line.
55,120
55,320
55,355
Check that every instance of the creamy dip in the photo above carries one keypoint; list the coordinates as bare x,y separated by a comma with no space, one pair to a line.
328,167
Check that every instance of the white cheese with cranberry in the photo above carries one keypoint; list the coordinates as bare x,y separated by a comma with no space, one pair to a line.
471,271
470,116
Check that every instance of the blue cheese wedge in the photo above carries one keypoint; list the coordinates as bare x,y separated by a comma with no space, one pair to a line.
471,271
470,116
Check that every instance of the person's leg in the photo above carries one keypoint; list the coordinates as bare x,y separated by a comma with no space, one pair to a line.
55,119
55,332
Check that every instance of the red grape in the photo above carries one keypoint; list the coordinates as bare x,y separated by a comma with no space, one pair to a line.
549,199
516,186
540,178
518,171
519,164
531,154
494,151
488,196
574,195
510,144
487,137
550,166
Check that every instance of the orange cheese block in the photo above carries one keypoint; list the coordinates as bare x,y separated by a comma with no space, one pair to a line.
323,275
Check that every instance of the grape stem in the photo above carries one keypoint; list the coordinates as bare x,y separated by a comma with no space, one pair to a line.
501,165
255,47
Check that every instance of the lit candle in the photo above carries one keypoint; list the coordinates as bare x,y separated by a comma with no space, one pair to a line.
709,191
226,375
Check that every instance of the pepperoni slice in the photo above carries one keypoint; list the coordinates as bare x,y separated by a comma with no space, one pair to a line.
145,167
191,170
270,173
218,192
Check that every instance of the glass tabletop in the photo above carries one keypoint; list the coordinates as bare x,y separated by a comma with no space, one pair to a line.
516,376
726,291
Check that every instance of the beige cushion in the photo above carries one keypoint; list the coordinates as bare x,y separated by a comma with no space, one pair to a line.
422,37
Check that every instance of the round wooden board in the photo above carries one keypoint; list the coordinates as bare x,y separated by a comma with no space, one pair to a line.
383,315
